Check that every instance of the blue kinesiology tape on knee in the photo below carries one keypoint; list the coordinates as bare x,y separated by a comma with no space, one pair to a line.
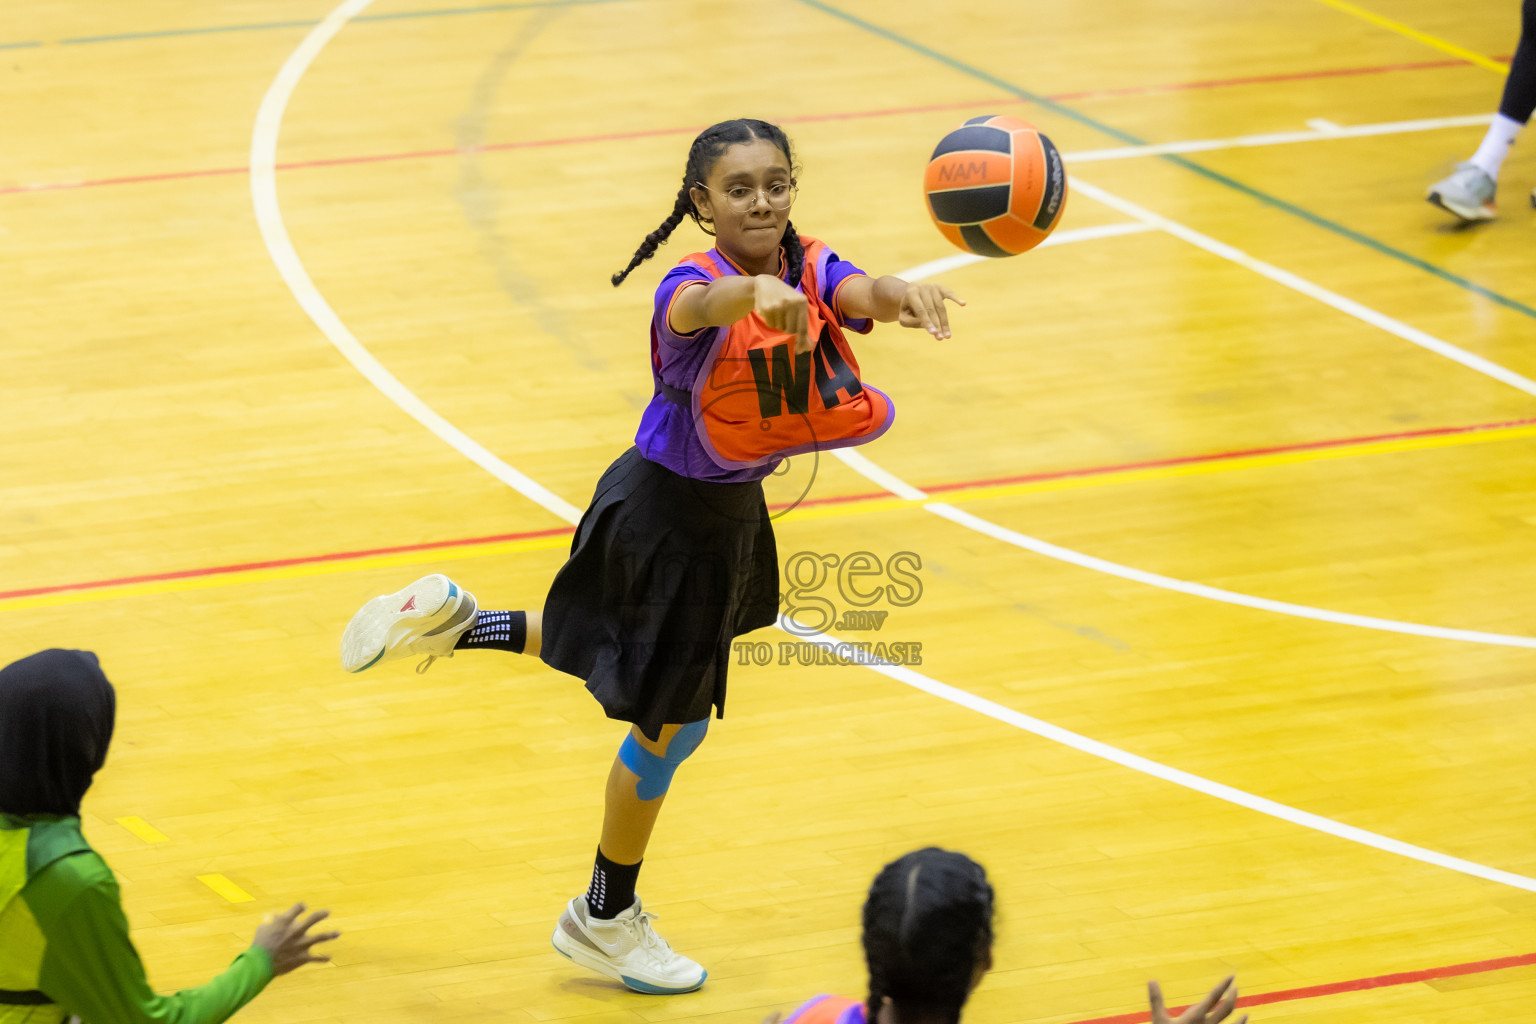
655,771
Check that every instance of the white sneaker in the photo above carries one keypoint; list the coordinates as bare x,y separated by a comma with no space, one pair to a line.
1468,193
427,617
626,949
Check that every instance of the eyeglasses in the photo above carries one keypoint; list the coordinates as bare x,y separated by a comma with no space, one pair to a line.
742,198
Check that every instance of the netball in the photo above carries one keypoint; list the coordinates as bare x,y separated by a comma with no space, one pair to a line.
996,186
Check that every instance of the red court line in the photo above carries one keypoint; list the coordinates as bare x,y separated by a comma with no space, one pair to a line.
844,499
854,115
1293,76
1308,446
279,563
1357,985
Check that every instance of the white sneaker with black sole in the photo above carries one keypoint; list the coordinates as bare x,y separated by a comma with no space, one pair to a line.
626,949
1468,193
427,617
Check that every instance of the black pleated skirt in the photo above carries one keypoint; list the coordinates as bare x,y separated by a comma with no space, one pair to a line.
665,571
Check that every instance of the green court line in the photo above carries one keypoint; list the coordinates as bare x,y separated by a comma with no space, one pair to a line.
261,26
267,26
446,11
17,46
1276,202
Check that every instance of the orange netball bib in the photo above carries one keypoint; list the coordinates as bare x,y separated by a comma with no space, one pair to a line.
829,1010
756,400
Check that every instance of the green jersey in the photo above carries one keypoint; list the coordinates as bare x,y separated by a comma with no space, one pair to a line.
64,946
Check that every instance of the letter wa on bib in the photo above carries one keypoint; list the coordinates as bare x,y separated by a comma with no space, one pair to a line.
756,400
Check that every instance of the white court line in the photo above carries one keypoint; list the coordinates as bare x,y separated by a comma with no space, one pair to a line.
867,468
269,218
1307,288
275,235
862,465
1300,611
1158,770
965,259
1355,131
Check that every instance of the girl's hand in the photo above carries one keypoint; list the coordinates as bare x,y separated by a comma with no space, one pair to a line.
923,306
1217,1005
288,941
784,309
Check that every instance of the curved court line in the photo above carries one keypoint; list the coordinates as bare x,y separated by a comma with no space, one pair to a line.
178,580
862,465
1156,769
276,237
1299,611
269,218
865,467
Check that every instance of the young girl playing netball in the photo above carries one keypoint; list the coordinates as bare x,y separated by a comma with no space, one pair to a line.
928,942
675,555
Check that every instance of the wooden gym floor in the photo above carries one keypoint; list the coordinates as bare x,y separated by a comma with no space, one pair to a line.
1237,478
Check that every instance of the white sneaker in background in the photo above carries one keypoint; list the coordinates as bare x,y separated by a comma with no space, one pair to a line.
1468,193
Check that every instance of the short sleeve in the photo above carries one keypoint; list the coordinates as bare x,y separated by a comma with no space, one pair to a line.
682,276
837,272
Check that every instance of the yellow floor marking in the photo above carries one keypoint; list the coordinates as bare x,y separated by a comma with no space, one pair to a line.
1236,462
1420,37
857,507
224,887
144,830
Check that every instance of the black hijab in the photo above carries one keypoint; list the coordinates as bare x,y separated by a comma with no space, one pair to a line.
56,715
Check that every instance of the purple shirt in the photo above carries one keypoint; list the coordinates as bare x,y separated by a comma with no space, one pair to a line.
667,433
852,1010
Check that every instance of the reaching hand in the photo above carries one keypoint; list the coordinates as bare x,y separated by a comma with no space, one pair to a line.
1218,1003
923,306
784,309
286,938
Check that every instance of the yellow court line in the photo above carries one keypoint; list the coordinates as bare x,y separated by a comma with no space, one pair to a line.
859,507
144,830
224,887
1442,45
1239,462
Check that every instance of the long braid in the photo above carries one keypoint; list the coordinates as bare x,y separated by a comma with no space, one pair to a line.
794,254
927,928
680,209
882,943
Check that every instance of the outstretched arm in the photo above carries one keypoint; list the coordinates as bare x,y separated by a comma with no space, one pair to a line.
92,970
724,301
892,300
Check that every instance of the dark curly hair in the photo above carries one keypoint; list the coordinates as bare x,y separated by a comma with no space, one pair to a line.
706,149
927,927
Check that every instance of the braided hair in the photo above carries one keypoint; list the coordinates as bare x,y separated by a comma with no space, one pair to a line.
927,927
706,149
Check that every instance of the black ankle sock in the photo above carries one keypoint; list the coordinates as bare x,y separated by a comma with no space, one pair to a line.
613,887
497,631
